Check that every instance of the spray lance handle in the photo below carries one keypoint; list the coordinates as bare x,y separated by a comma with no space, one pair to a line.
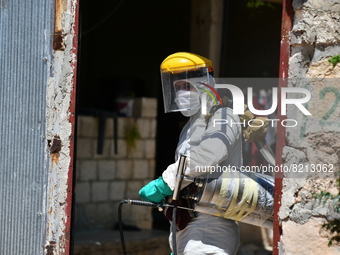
175,197
179,177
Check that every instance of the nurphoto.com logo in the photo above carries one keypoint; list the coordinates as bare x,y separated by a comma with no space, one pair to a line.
238,104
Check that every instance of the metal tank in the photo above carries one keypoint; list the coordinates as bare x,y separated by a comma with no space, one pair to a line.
245,197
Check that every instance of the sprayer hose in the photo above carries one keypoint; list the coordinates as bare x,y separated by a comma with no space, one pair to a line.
120,222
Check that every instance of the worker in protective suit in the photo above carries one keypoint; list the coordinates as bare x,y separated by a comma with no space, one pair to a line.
188,87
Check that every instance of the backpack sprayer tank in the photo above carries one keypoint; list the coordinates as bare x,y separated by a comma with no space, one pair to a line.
245,197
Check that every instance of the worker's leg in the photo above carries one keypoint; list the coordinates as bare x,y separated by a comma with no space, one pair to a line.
208,235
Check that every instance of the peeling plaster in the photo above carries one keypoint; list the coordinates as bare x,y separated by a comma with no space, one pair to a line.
60,87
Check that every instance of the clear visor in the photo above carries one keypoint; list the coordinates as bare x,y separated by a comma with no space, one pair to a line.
182,91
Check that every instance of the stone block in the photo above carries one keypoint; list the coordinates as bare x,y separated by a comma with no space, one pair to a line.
144,218
323,69
297,66
106,169
152,169
326,6
123,125
127,212
115,205
303,32
104,215
143,125
314,238
132,189
324,53
84,148
140,169
141,217
77,173
117,190
106,150
312,26
300,213
146,181
290,189
150,148
121,148
109,128
83,192
87,126
327,28
138,151
123,169
293,157
87,170
145,107
79,215
85,215
323,152
153,128
100,191
90,214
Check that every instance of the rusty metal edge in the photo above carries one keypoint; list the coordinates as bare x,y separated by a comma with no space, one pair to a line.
72,119
286,26
58,37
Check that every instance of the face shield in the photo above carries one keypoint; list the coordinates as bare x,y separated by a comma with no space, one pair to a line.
189,91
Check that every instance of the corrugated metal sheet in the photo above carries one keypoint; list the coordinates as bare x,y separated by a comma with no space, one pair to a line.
25,52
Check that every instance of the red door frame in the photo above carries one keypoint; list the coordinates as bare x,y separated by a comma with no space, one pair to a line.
287,21
72,119
286,26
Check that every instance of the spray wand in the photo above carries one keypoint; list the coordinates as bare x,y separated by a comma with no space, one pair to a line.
160,206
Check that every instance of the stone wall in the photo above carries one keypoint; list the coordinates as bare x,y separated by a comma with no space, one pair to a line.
103,180
315,38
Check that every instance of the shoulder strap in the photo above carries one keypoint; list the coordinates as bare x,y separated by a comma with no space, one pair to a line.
227,102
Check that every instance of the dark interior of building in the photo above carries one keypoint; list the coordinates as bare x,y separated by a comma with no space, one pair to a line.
122,44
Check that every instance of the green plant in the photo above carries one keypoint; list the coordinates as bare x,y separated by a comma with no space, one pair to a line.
258,3
334,60
132,134
334,225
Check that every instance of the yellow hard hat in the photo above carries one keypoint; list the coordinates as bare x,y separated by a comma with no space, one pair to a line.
182,61
192,71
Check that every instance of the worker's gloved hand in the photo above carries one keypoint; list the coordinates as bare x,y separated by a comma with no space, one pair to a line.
257,127
257,131
155,191
248,115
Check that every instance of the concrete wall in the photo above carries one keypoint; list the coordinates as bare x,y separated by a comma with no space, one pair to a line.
103,180
315,37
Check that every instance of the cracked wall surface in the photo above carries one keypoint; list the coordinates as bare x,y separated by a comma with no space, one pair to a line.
314,144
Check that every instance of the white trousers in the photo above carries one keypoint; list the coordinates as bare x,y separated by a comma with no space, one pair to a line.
207,234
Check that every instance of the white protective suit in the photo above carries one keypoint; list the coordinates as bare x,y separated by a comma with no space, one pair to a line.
212,144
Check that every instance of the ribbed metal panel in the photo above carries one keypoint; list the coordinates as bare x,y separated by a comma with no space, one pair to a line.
25,50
